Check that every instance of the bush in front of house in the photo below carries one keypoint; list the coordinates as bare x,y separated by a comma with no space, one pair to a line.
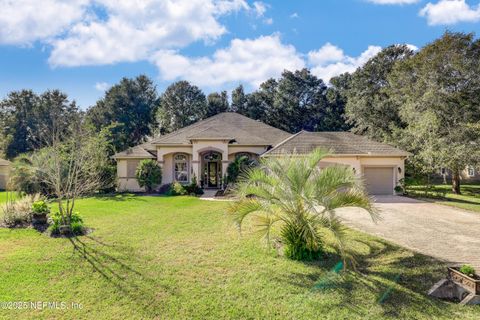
60,227
193,188
148,174
18,213
294,201
176,189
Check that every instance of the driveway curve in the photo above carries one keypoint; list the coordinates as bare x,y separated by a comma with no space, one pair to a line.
439,231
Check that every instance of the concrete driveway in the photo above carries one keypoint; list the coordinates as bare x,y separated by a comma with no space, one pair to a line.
439,231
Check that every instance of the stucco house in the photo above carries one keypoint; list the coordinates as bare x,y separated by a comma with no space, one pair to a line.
204,150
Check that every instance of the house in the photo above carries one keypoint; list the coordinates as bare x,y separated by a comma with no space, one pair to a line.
5,167
204,150
469,174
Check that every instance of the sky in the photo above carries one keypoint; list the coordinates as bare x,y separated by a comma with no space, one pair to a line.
83,47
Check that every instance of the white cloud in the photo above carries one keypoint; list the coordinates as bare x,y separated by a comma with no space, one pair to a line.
134,30
450,12
393,1
327,53
268,21
250,61
260,8
330,61
294,15
25,21
102,86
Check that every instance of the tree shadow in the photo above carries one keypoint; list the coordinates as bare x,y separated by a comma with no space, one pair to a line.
119,197
398,279
119,267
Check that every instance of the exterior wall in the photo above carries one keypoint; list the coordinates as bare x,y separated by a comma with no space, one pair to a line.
359,163
464,176
126,182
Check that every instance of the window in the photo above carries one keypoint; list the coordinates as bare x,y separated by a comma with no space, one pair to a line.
243,154
180,167
132,168
470,171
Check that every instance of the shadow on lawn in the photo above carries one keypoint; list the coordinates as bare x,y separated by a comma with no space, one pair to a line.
116,266
398,279
119,197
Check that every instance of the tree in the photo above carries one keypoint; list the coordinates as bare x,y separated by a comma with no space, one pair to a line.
299,102
128,108
369,107
148,174
292,193
72,168
334,117
217,103
439,91
29,122
239,100
181,105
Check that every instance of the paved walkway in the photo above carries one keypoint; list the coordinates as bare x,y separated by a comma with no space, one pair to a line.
439,231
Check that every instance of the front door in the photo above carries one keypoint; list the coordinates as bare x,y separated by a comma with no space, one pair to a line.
212,174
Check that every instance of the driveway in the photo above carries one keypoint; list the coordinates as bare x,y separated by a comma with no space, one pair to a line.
439,231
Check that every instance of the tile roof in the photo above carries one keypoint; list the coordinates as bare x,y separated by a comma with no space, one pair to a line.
339,143
227,125
135,152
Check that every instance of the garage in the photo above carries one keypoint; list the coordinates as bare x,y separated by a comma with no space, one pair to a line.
379,180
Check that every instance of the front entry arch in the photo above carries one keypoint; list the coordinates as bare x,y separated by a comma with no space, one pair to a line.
211,169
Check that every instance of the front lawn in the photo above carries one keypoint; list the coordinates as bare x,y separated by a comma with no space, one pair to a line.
442,194
180,257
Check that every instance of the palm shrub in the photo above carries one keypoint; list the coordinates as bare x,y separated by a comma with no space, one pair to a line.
295,200
148,174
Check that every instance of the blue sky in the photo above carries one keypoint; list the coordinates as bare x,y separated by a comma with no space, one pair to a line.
84,46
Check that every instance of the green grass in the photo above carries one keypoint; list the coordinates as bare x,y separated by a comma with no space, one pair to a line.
469,199
177,258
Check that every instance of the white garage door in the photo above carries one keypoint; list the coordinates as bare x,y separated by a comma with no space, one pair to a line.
378,180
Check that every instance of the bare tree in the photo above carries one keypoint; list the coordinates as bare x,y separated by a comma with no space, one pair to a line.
73,168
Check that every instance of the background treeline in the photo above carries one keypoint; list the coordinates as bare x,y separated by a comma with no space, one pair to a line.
426,102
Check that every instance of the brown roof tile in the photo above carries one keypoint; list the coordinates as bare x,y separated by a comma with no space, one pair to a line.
339,143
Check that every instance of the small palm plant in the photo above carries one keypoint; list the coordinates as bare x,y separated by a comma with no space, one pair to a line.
292,197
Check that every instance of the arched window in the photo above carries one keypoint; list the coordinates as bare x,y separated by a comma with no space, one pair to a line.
180,166
243,154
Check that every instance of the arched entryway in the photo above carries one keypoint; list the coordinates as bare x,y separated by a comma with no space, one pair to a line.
211,169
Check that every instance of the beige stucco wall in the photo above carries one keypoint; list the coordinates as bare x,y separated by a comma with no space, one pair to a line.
124,181
360,162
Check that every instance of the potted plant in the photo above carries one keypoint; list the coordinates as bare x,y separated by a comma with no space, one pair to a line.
39,212
465,276
398,190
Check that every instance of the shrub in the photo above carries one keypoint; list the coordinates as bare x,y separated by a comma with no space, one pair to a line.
291,198
76,223
176,189
468,270
40,207
237,167
193,187
149,174
19,212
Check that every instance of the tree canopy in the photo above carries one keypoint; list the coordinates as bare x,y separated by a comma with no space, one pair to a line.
181,105
129,109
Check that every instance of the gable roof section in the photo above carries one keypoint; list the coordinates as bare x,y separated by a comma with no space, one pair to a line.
339,143
137,152
227,125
